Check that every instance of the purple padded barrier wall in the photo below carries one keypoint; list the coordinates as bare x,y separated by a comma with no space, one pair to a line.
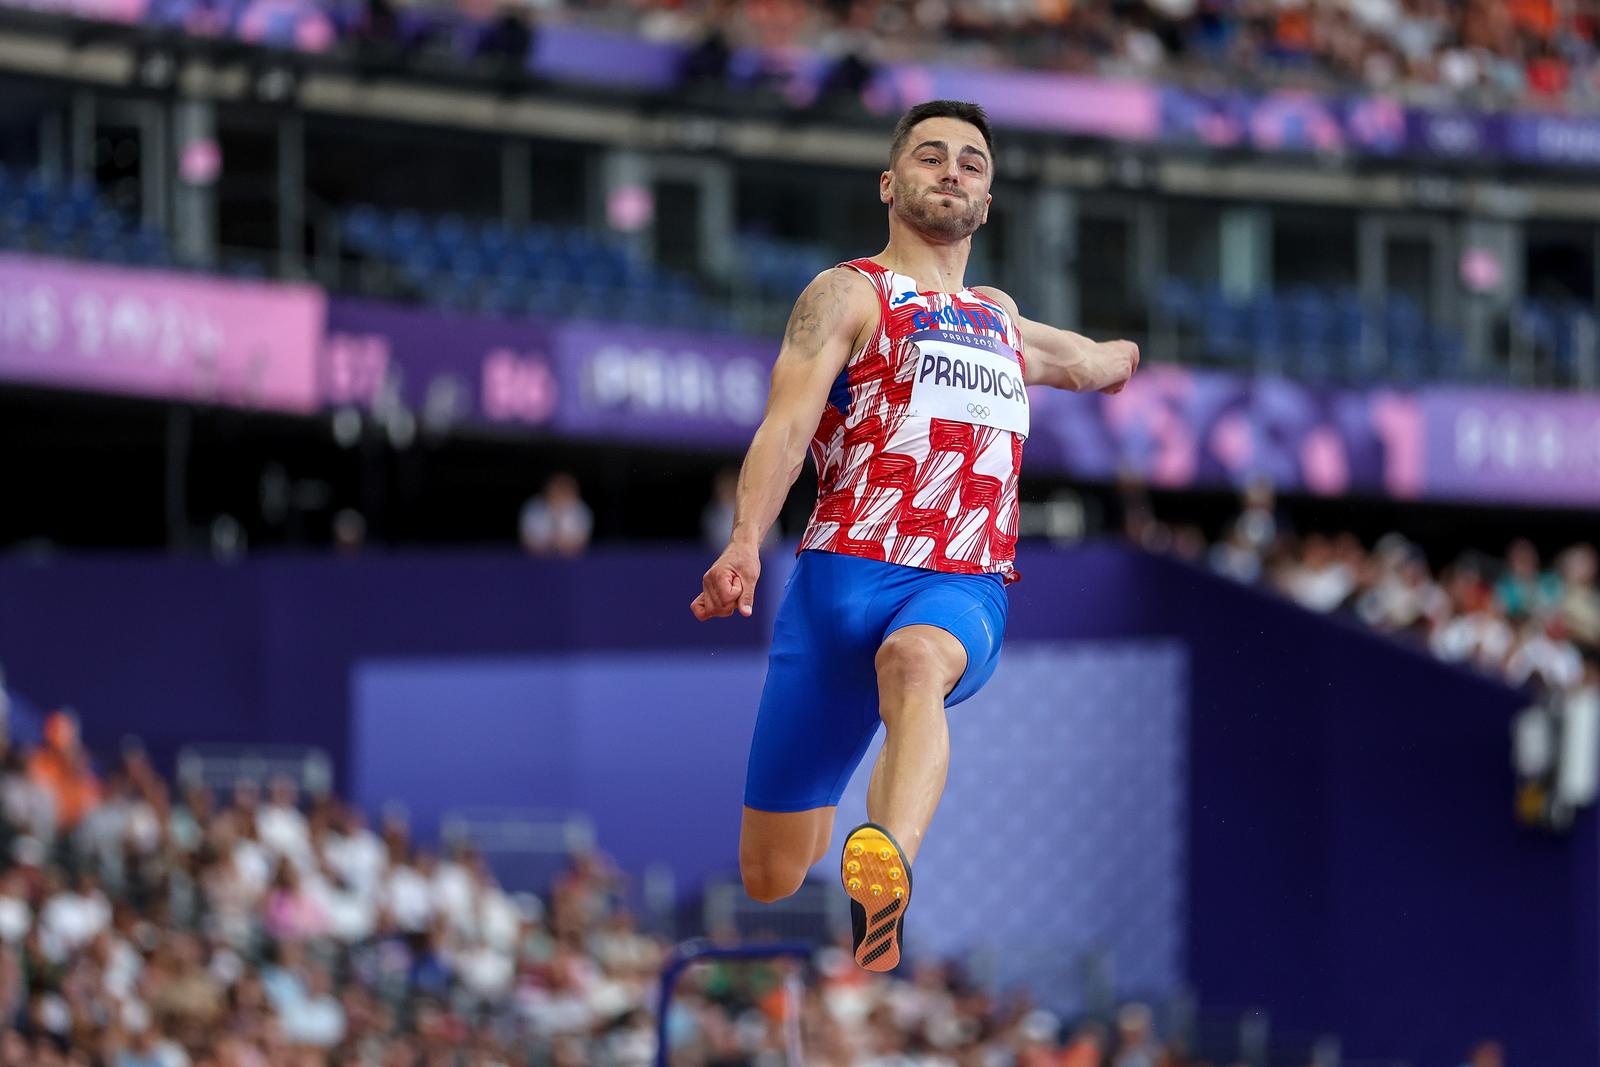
1353,863
187,650
1072,759
650,745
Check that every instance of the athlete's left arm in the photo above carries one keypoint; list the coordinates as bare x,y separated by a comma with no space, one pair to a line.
1067,360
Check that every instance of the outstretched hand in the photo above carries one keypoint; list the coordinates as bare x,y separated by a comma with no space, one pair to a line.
1119,359
729,584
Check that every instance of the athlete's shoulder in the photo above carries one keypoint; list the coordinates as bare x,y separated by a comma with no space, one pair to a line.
837,305
1000,297
846,288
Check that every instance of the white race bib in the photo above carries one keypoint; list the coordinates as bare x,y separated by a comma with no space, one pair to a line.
968,377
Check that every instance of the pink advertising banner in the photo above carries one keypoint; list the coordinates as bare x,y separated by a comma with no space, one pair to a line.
160,334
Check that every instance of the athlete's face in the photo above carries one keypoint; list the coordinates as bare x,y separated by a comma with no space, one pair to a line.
940,182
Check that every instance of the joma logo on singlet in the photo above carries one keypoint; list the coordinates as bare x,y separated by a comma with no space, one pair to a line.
976,318
963,374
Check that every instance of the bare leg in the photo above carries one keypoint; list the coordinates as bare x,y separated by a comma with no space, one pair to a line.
917,667
777,848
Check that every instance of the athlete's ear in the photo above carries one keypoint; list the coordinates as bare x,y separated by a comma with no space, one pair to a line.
886,183
988,198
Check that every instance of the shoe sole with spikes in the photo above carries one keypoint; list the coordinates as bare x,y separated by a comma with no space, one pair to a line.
877,879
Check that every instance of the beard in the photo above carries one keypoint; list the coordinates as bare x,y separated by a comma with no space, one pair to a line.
924,211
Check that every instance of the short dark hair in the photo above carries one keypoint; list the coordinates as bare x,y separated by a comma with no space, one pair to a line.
939,109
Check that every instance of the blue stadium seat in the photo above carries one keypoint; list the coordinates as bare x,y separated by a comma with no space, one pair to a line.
1449,356
1223,323
406,230
82,199
1179,301
39,196
1268,334
1405,330
363,228
1311,319
449,233
13,231
1349,331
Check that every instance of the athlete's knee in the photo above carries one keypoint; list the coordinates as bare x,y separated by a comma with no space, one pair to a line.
911,661
767,879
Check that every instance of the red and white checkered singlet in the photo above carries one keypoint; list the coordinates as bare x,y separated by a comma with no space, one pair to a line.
920,445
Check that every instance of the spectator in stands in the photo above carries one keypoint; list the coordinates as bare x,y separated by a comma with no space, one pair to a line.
716,521
349,532
1319,579
507,41
557,522
1579,603
1524,589
1087,1047
61,768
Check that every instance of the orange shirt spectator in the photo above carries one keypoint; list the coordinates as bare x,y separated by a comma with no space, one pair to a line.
61,768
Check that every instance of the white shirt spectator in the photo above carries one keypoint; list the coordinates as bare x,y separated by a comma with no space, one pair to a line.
316,1019
544,528
16,918
499,921
359,857
352,915
453,893
254,866
409,897
557,521
486,972
1480,637
1556,662
1321,588
123,968
283,830
70,920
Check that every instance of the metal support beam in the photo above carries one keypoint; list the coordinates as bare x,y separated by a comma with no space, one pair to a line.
291,177
516,181
194,219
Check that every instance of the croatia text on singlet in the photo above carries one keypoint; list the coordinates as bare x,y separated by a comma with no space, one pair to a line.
920,444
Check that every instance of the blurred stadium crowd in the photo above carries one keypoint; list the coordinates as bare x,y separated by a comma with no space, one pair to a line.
1534,624
1465,51
1469,50
142,930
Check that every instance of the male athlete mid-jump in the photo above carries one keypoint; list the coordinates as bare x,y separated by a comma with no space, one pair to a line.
908,388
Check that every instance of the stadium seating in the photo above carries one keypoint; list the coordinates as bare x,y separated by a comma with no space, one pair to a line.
1309,332
72,218
535,269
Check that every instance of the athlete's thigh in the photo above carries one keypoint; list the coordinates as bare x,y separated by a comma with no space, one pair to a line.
972,608
817,718
801,837
819,705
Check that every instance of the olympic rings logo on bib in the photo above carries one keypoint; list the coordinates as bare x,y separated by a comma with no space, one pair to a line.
967,377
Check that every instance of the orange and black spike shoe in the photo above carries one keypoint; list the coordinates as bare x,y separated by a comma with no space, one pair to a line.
878,880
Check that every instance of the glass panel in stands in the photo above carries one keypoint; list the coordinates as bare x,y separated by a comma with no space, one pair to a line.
1109,301
1313,246
247,187
21,112
677,225
561,183
403,168
118,166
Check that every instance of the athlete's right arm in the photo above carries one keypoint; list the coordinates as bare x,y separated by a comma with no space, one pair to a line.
822,329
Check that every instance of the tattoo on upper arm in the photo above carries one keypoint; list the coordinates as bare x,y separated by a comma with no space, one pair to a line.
815,313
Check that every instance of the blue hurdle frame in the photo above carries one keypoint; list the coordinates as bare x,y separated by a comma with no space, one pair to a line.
699,951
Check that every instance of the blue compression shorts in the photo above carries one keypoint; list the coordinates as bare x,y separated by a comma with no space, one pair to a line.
819,707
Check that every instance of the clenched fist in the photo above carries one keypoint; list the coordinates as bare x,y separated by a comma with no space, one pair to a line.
1118,360
729,584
